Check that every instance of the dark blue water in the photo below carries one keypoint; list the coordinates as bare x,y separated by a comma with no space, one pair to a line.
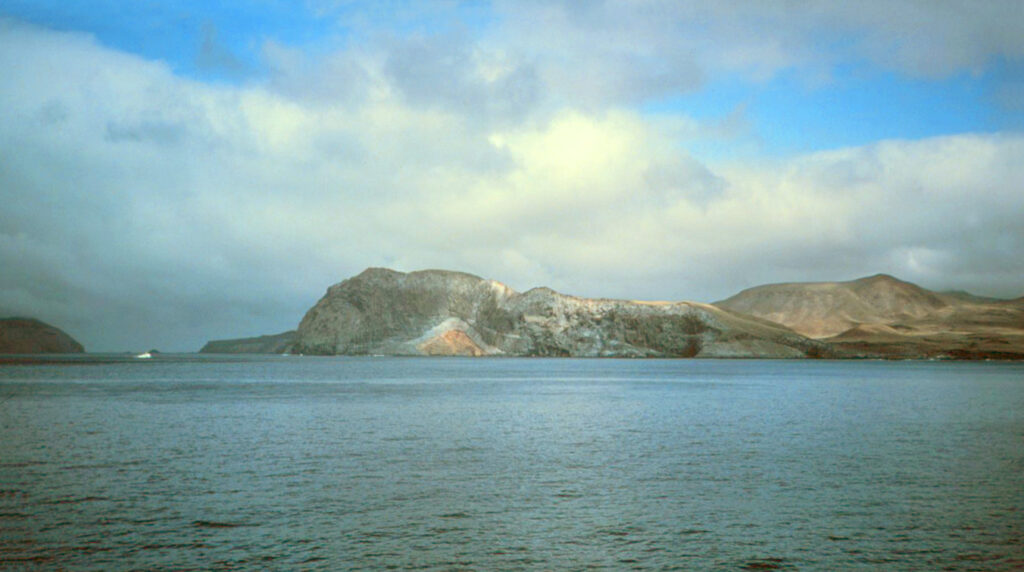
375,463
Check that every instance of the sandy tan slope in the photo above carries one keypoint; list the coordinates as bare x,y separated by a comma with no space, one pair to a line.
883,316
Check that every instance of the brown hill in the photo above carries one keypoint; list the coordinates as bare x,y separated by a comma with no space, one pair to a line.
29,336
883,316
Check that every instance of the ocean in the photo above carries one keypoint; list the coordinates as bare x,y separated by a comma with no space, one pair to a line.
267,462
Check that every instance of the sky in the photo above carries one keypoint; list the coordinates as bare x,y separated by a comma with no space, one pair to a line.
175,172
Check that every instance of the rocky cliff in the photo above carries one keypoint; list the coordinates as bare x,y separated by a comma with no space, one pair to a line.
436,312
29,336
272,344
881,316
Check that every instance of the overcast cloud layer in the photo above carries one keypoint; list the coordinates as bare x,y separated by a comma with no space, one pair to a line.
143,207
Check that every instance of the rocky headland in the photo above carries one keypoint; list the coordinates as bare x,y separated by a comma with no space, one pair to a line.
882,316
271,344
30,336
437,312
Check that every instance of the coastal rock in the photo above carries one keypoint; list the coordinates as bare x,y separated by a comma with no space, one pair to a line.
272,344
438,312
30,336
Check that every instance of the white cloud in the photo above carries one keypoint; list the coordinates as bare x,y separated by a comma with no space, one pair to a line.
613,52
142,209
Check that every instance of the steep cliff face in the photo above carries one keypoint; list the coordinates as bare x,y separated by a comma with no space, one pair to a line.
385,312
272,344
436,312
28,336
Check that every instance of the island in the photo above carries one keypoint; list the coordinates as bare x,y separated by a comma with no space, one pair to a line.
448,313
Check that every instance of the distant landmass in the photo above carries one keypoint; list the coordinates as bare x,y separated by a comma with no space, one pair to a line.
272,344
30,336
440,312
882,316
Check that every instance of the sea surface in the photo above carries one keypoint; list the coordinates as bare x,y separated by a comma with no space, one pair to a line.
300,463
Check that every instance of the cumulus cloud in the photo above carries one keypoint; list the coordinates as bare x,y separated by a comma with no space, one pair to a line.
144,210
603,52
334,78
448,71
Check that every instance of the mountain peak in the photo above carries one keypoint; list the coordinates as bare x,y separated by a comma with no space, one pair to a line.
880,278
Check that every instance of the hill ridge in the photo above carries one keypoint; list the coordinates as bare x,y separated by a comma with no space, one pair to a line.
883,316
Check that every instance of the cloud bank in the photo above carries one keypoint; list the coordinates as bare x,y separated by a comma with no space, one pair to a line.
144,209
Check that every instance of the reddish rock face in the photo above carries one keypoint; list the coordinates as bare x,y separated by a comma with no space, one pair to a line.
451,343
28,336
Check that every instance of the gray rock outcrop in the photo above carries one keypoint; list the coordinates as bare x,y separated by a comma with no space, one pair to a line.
437,312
